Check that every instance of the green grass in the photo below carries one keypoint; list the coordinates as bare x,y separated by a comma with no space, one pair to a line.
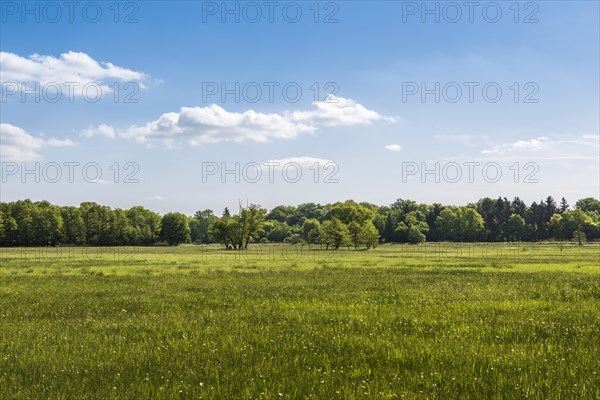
432,322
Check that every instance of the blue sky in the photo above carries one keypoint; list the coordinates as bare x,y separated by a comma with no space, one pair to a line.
365,141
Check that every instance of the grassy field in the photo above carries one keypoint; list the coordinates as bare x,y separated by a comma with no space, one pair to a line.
448,321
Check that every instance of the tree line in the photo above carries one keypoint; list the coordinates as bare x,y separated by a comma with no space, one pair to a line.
27,223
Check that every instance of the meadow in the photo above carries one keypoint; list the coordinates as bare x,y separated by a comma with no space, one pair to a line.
430,321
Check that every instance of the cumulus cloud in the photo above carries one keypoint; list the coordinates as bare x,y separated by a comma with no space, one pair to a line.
18,145
393,147
338,111
72,68
213,124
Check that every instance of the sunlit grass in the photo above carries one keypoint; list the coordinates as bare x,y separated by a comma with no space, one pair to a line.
452,321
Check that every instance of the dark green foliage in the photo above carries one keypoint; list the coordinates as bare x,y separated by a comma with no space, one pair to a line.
25,223
588,204
415,236
200,226
237,231
175,229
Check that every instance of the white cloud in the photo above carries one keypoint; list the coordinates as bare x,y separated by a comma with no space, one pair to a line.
533,144
583,147
60,143
18,145
68,69
213,124
393,147
338,111
100,130
304,162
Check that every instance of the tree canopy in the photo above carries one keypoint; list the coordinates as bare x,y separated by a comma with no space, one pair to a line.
27,223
